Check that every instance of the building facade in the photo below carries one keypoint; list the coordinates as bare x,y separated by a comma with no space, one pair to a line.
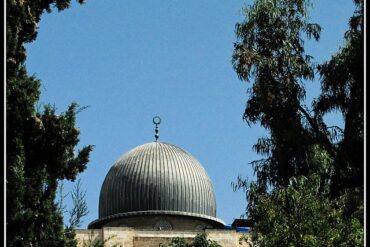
131,237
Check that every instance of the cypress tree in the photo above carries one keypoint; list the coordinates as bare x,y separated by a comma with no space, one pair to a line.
40,144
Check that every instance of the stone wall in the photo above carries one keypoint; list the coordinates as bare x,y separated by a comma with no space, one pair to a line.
154,238
150,222
128,237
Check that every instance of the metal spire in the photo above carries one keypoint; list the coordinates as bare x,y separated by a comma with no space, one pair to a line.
156,121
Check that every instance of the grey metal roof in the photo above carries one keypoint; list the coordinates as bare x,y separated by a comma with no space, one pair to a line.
157,176
96,224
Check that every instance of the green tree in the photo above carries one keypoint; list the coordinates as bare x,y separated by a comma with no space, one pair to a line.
79,209
300,146
270,50
302,214
342,84
40,144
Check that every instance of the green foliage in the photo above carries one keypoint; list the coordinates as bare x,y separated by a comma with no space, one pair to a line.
342,84
309,187
22,18
79,209
302,214
40,144
199,241
95,242
270,50
176,242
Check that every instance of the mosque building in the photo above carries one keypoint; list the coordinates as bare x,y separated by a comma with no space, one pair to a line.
154,193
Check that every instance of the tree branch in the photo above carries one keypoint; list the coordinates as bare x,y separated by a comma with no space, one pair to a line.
319,134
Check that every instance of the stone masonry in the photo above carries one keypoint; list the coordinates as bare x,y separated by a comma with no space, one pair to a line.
129,237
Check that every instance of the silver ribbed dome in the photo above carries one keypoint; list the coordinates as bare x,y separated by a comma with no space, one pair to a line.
157,177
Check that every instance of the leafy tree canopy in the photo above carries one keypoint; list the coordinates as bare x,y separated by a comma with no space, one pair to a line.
308,170
301,214
40,144
199,241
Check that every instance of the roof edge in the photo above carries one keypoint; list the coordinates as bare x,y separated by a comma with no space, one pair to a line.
99,222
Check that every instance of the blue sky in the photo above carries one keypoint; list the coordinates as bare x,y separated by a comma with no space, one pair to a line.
132,60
